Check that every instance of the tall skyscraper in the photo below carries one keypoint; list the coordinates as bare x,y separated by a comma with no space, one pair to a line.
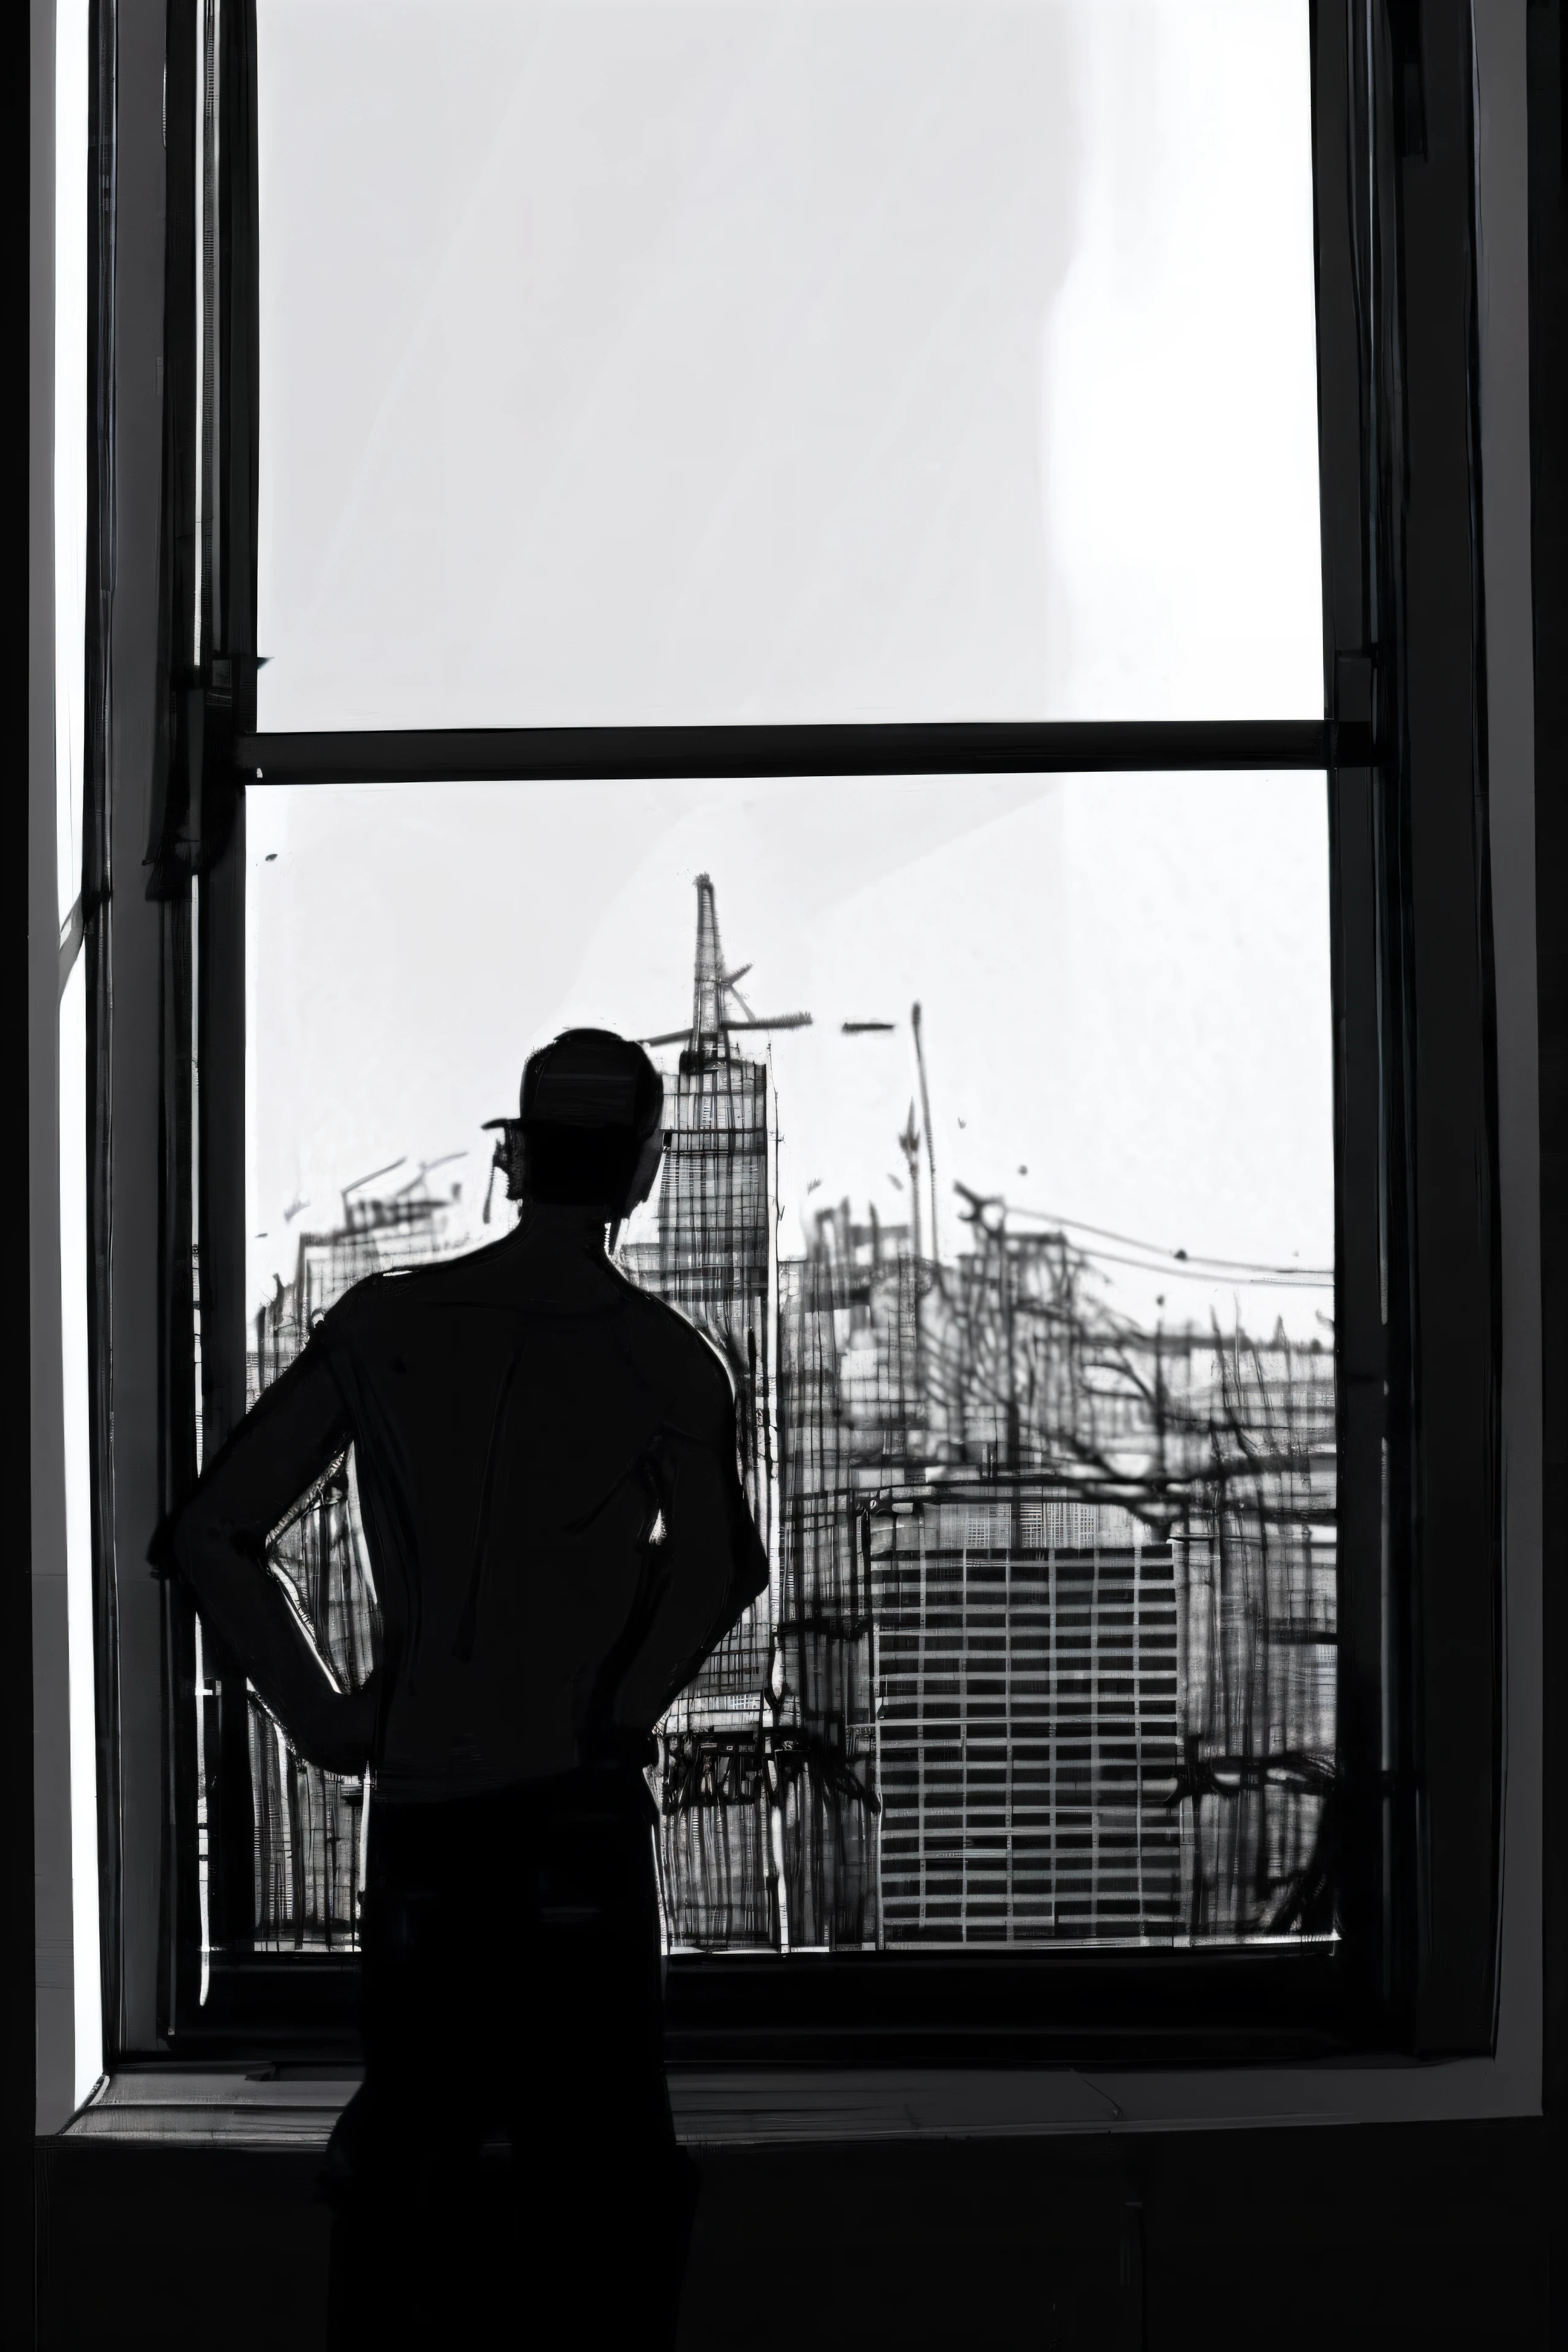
715,1258
715,1251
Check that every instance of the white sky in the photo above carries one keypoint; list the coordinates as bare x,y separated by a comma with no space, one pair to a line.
787,359
1124,983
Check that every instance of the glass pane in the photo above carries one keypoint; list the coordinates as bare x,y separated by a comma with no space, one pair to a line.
809,360
1031,1249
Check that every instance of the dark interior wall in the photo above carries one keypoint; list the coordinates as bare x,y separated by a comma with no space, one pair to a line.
1343,2236
24,514
1548,70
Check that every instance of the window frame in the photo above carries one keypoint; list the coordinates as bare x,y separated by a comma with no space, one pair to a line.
1417,1967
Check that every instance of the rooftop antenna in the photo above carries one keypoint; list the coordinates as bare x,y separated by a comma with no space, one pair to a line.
931,1143
909,1145
708,983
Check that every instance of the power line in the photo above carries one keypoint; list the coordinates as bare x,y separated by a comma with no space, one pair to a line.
1189,1269
1179,1261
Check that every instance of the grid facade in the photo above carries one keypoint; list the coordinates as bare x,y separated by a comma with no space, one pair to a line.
718,1845
1028,1719
307,1824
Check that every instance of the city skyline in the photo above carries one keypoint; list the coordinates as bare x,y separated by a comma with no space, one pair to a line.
1048,1645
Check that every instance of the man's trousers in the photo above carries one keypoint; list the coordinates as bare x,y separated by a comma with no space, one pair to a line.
511,1990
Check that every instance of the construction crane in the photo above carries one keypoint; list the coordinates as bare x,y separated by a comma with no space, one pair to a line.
713,989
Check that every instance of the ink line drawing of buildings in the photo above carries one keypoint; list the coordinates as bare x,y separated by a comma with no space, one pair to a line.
1061,1599
1048,1648
309,1824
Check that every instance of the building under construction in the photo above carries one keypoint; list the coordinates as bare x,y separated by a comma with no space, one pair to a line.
715,1258
1061,1594
309,1824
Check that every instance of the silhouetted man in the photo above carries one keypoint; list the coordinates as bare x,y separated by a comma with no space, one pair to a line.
548,1479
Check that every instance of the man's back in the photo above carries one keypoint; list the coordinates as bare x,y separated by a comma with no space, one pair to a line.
541,1465
553,1511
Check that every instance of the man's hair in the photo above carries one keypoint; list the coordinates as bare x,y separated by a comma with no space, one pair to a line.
590,1101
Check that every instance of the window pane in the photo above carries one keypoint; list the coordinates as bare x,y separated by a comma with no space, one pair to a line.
810,360
1036,1280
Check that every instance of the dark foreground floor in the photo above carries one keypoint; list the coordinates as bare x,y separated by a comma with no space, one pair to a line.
1328,2237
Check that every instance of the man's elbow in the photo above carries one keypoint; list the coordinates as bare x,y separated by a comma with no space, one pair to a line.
751,1572
180,1544
205,1551
193,1534
747,1583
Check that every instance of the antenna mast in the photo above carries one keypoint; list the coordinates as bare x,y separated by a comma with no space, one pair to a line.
708,989
931,1139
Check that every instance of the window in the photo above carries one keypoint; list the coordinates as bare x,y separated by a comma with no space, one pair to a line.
1023,1482
785,362
809,534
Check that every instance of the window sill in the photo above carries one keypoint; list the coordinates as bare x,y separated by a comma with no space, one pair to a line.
296,2107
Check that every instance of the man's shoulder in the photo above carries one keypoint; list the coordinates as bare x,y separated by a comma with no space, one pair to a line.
383,1301
388,1316
666,1334
378,1302
339,1328
463,1278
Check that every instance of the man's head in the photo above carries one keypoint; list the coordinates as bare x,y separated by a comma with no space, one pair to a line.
588,1135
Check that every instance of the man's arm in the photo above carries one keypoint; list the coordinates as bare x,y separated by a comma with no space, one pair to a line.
714,1565
218,1544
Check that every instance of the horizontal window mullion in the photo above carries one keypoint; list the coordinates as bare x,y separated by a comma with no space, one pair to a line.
521,755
